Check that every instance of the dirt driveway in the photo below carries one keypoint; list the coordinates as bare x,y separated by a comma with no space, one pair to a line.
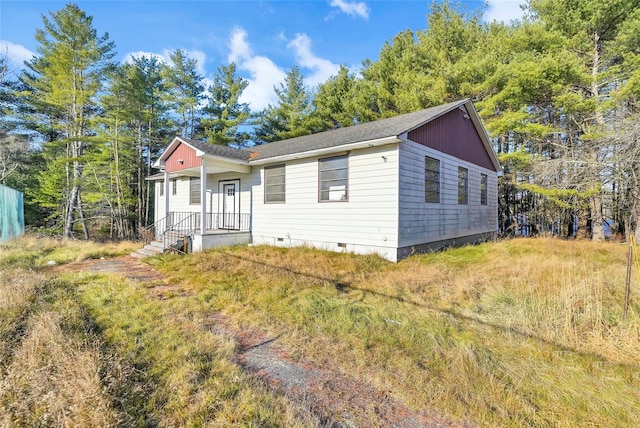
335,398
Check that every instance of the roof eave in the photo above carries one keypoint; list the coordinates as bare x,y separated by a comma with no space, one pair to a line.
328,150
235,165
475,118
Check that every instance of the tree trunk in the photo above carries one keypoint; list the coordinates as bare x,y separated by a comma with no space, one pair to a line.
635,218
83,221
583,224
71,205
597,223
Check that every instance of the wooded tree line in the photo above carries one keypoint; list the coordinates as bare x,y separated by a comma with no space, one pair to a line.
558,93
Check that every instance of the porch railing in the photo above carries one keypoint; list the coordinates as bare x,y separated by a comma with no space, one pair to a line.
228,221
182,228
170,222
176,222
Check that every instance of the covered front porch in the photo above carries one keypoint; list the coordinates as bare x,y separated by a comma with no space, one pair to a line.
202,197
186,232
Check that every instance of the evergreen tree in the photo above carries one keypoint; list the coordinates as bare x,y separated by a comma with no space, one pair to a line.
589,30
290,117
336,103
63,84
14,145
224,112
184,91
393,84
136,127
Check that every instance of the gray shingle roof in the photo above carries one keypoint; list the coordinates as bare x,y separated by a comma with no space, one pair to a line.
217,150
390,127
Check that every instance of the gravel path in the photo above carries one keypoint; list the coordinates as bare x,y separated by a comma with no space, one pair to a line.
335,398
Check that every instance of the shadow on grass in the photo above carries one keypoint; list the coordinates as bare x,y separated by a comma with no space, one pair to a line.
344,287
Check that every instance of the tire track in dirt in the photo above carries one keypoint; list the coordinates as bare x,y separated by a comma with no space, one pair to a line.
335,398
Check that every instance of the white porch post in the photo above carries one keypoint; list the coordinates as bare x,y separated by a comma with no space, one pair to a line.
203,198
166,193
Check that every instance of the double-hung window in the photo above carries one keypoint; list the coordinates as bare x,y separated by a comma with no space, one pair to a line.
194,190
431,180
483,189
463,185
333,179
274,184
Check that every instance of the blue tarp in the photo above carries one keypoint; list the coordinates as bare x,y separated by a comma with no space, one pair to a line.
11,214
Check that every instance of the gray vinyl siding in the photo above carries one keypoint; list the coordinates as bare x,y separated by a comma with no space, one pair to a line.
247,183
422,222
180,201
366,223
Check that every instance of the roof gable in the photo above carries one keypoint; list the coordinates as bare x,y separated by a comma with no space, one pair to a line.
455,133
199,149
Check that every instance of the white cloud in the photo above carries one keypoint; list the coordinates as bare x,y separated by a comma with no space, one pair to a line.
503,10
264,73
128,58
353,8
16,55
239,48
163,57
322,68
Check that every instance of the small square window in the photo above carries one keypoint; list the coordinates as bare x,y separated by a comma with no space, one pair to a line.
333,182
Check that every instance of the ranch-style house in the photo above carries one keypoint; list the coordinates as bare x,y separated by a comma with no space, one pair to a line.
410,183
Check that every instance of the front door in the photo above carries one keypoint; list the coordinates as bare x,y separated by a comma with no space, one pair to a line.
229,213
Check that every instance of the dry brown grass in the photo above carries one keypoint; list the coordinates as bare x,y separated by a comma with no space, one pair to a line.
515,333
18,290
52,368
519,333
53,380
195,379
33,251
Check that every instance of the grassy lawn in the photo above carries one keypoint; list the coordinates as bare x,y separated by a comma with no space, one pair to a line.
515,333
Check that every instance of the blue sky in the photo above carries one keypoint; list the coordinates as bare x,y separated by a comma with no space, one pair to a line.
264,38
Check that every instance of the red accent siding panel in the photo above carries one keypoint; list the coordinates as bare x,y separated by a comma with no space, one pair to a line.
454,135
185,154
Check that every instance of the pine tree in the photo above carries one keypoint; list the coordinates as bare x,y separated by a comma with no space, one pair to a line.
63,84
290,117
335,102
224,113
136,126
184,91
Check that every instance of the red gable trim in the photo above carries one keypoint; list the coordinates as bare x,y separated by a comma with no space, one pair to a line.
455,135
182,157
